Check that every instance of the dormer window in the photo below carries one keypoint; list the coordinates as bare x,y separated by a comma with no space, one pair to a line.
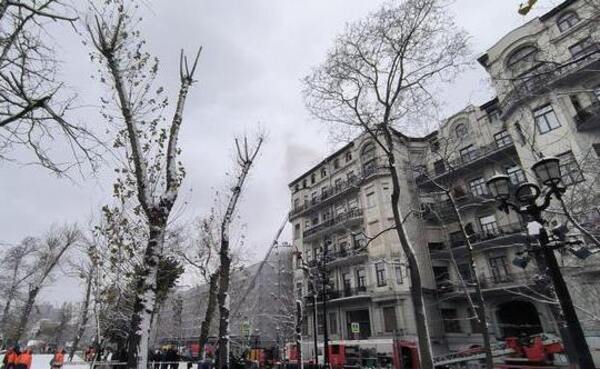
567,20
522,58
460,130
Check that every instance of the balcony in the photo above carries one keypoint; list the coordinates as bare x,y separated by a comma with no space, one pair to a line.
498,284
443,208
327,196
490,238
588,118
344,293
490,152
351,217
550,75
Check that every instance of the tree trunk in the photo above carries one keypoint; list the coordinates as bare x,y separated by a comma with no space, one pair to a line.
480,303
31,296
213,289
145,300
224,301
84,314
424,343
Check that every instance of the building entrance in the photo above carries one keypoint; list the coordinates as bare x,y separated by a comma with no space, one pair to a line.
516,318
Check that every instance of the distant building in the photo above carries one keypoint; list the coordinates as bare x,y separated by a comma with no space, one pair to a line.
546,77
264,319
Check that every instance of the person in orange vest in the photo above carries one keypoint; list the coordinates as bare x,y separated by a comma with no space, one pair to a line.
58,359
10,358
24,360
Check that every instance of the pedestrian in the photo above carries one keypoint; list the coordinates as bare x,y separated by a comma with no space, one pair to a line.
10,358
58,359
24,359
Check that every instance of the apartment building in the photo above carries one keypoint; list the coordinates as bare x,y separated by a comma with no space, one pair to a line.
546,77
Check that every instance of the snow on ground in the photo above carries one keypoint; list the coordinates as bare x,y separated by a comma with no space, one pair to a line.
42,361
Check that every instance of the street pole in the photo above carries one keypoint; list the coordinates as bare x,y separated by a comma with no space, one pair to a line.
584,357
315,331
299,333
325,328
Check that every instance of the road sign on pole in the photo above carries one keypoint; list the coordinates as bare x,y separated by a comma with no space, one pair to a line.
355,327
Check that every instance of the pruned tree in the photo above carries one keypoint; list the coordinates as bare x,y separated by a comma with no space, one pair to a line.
151,171
245,158
376,77
49,253
34,104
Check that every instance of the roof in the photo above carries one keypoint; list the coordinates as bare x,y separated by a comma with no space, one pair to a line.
557,9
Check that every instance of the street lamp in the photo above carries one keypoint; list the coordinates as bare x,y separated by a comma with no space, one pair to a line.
547,172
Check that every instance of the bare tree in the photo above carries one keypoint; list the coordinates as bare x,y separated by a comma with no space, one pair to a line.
34,104
16,271
378,74
153,173
87,272
49,253
245,159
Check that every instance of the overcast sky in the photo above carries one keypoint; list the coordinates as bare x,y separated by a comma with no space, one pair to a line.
255,53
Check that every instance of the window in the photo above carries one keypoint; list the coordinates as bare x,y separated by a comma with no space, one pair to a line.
499,269
569,169
389,319
296,231
324,192
465,271
343,248
516,175
478,187
489,226
398,272
359,240
299,289
493,115
361,278
451,322
460,130
323,172
522,58
336,163
353,204
434,145
581,48
338,183
545,119
475,324
380,274
567,21
296,204
313,178
340,209
297,188
371,199
368,157
348,156
436,246
333,325
304,183
320,325
350,177
457,239
305,326
347,280
597,92
468,153
596,147
439,167
502,138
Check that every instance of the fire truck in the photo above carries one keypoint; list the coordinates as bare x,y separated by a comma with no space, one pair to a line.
542,350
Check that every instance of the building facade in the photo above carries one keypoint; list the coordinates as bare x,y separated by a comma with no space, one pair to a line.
546,76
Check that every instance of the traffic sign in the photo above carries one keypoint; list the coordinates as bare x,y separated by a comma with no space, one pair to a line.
355,327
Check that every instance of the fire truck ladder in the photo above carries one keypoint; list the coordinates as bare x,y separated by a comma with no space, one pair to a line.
499,349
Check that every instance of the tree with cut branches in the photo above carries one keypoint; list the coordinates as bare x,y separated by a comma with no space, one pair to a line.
377,77
151,172
245,158
34,104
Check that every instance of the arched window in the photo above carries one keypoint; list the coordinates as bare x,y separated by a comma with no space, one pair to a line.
368,156
460,130
567,20
524,56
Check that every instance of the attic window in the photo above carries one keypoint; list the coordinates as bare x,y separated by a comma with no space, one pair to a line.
567,21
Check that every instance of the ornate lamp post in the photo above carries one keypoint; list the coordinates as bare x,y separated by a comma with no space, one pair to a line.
547,171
